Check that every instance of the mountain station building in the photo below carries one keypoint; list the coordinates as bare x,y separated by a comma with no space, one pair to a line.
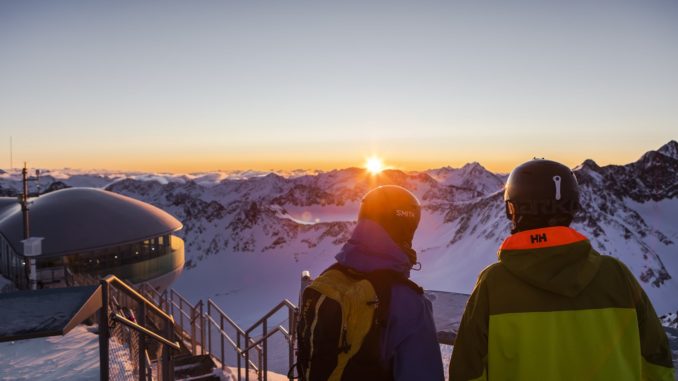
90,232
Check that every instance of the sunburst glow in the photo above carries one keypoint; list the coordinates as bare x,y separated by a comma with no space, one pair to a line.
374,165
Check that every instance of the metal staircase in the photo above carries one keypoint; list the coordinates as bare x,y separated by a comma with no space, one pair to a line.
209,335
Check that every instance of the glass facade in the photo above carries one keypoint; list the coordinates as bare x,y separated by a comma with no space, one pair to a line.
96,262
12,265
99,261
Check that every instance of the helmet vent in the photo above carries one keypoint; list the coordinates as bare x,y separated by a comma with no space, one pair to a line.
556,180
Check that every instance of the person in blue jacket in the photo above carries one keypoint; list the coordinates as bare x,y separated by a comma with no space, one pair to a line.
405,347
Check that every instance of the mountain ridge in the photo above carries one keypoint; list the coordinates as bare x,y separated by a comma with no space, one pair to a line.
239,231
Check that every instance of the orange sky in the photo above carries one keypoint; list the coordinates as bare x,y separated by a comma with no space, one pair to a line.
159,160
279,85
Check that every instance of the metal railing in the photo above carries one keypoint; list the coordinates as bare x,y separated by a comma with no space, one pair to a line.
213,331
190,320
215,313
263,323
122,304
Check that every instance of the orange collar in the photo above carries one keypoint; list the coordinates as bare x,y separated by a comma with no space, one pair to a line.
541,238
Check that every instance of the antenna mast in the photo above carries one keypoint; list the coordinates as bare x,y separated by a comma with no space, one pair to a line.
24,202
11,154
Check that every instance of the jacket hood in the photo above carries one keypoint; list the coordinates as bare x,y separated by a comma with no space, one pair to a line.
556,259
371,248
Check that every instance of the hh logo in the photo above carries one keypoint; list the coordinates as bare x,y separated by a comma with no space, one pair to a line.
538,238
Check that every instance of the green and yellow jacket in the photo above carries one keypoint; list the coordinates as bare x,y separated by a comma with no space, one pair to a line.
553,308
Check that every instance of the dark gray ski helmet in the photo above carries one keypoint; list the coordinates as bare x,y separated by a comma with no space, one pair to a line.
539,190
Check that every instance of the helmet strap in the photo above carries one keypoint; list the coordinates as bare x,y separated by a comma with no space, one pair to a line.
411,254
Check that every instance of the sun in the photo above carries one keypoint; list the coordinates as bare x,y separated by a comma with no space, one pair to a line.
374,165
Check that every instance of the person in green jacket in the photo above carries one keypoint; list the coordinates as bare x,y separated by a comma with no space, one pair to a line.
552,307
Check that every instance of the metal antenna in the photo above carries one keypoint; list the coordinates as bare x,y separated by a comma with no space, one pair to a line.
11,154
37,181
24,202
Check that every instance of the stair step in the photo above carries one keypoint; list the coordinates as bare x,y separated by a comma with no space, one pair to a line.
191,367
209,377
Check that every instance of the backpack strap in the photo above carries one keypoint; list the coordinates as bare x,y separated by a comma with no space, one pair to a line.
367,363
382,281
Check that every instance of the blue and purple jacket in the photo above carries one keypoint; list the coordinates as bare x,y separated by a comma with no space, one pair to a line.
409,342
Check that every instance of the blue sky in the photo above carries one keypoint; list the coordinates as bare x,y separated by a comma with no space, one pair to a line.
203,85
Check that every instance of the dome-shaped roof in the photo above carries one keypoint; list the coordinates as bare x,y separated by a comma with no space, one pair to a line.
82,219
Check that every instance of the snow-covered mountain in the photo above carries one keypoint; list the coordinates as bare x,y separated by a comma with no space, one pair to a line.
249,234
471,176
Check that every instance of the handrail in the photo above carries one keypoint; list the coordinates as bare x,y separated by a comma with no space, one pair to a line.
215,318
145,287
181,298
235,346
121,319
110,284
274,310
213,312
263,322
262,338
193,309
225,334
112,279
228,319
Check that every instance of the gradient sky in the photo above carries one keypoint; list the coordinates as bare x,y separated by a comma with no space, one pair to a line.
204,85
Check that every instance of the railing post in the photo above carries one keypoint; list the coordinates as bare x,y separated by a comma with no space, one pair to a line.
202,329
193,332
265,350
181,310
103,332
261,368
292,339
209,330
221,326
247,357
141,320
171,302
167,362
238,355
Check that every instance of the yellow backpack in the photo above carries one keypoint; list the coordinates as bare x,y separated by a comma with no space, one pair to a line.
342,314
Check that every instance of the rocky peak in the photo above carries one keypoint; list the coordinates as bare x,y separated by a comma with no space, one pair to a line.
669,149
589,164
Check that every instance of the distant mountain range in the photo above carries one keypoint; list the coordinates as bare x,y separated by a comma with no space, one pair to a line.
249,234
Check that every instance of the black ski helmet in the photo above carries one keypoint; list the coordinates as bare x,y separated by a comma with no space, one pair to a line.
395,209
541,193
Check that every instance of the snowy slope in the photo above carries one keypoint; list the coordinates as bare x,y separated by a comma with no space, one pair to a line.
74,356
